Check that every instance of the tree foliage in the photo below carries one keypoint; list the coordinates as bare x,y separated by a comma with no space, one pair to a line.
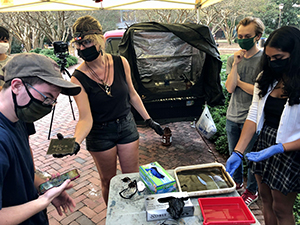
21,28
171,16
270,13
222,16
31,29
226,14
55,25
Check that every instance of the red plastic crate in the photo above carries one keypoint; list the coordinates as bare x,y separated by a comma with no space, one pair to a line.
225,210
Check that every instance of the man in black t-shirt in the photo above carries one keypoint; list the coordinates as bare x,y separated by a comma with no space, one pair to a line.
32,85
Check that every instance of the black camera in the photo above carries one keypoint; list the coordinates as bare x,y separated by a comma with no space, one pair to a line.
60,48
61,51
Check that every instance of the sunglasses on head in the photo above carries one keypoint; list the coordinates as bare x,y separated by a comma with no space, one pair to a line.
80,35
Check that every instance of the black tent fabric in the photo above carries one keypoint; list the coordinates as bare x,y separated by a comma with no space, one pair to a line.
175,69
207,87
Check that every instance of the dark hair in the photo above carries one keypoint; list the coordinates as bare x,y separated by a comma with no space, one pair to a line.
287,39
30,80
4,34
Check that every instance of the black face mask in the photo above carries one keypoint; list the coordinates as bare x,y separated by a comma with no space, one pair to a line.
89,54
32,111
279,66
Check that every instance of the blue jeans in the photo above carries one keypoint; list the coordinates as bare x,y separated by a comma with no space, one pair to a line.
233,134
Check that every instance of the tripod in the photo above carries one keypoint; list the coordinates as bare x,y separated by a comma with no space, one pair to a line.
62,62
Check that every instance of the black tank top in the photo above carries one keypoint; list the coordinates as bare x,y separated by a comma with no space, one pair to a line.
273,110
103,107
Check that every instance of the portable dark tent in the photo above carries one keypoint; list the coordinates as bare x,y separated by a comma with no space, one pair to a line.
175,68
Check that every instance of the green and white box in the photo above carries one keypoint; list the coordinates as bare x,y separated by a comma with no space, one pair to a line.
156,178
157,210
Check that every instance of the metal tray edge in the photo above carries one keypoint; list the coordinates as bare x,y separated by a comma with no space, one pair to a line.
207,192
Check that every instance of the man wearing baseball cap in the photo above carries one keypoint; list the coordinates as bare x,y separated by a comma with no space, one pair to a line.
32,85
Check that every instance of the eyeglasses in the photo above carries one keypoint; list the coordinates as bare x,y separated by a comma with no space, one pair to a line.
47,101
84,43
128,192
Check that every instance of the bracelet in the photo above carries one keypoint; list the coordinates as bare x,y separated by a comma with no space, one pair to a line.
241,154
284,149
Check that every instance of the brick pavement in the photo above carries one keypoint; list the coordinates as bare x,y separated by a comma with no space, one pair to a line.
188,148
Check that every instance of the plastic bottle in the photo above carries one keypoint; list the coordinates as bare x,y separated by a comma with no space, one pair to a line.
188,84
166,139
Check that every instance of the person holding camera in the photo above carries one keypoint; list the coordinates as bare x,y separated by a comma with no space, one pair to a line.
104,104
32,85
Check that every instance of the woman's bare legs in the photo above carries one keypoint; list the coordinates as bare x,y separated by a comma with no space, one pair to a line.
267,199
129,157
106,163
277,207
283,207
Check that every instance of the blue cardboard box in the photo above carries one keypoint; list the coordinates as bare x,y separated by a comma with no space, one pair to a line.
156,178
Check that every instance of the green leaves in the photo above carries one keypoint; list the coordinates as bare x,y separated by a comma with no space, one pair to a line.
218,113
296,209
71,60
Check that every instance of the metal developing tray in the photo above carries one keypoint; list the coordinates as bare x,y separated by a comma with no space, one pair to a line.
225,175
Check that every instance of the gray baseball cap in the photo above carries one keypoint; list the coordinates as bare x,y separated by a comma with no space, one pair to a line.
36,65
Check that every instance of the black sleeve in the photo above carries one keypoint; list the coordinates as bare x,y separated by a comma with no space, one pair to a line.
30,128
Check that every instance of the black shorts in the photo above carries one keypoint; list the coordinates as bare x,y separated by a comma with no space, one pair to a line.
107,135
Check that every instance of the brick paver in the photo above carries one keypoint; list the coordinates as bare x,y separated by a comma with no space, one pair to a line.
188,148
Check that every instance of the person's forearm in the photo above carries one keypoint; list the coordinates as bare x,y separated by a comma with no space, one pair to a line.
246,87
231,81
20,213
82,129
292,146
137,103
248,131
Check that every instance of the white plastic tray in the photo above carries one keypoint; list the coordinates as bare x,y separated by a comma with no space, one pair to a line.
220,166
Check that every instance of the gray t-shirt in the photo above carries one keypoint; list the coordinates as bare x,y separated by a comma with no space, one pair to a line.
240,101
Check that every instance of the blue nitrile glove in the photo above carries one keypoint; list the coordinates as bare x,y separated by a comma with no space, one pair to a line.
155,126
155,173
266,153
233,162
